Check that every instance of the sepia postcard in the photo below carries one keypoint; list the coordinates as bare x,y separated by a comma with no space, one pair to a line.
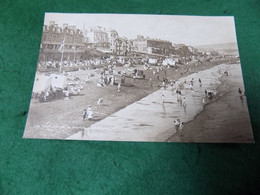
145,78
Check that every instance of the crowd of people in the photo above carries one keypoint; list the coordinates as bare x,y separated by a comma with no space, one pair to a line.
188,88
109,76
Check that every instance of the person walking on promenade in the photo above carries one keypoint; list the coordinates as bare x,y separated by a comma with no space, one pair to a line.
90,112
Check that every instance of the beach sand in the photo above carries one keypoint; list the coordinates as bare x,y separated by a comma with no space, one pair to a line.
151,120
137,114
59,119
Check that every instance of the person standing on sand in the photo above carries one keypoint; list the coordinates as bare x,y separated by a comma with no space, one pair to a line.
151,81
100,100
183,102
240,91
192,92
177,124
203,100
118,87
200,82
164,85
112,80
84,114
171,83
181,126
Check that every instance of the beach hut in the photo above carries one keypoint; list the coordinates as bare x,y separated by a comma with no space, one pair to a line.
58,82
152,61
42,83
168,61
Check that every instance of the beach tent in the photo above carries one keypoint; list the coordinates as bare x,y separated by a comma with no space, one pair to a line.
168,61
42,83
152,61
58,81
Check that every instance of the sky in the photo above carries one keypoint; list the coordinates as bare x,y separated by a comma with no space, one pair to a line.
189,30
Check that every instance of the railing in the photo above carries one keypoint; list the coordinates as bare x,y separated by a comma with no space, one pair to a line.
65,50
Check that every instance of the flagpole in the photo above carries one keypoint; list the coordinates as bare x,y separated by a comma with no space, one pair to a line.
63,45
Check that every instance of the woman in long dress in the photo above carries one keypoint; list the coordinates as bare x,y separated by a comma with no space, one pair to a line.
90,112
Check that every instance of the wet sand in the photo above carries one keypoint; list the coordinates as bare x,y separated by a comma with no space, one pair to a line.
224,120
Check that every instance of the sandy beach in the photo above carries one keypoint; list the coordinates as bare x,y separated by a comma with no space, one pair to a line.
151,120
133,114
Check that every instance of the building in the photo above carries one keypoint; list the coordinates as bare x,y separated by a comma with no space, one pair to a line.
54,37
123,47
112,36
97,38
152,46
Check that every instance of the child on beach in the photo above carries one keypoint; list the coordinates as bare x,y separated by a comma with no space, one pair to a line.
178,124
